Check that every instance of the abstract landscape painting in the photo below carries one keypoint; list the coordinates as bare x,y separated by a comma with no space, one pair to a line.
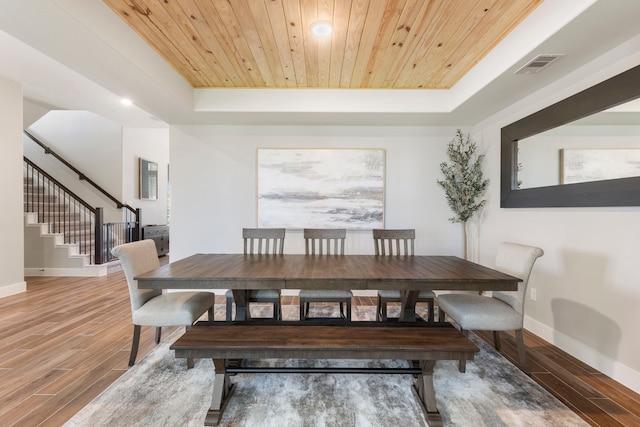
321,188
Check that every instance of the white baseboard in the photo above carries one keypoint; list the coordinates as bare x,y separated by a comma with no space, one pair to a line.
13,289
608,366
90,271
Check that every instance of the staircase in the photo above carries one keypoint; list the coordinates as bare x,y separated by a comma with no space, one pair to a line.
59,234
64,235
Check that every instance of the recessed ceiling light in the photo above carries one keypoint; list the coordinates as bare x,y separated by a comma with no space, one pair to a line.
126,101
321,28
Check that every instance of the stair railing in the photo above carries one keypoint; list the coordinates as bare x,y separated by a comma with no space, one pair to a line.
81,175
79,223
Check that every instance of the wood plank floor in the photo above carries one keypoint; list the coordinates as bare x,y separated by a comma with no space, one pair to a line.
67,338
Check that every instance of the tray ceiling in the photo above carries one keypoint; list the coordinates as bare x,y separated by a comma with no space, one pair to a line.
398,44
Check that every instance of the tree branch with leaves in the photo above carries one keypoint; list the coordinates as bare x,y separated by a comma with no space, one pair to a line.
463,181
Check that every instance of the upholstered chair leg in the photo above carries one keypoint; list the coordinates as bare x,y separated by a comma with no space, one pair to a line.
462,363
211,314
441,314
496,340
379,310
229,305
189,359
522,350
134,344
302,313
158,334
349,311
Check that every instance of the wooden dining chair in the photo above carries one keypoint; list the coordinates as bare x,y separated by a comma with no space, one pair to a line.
261,241
325,241
397,243
503,310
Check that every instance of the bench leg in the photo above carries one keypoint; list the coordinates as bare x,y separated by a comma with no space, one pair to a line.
222,390
426,393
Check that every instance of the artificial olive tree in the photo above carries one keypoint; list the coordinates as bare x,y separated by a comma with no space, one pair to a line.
463,181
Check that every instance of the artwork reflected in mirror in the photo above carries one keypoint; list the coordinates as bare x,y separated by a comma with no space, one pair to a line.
148,180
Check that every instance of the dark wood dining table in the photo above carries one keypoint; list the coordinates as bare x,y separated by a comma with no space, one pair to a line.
407,274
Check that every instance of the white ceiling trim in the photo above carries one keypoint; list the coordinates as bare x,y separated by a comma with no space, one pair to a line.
322,100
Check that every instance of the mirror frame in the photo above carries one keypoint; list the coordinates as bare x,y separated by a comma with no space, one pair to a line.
148,182
613,192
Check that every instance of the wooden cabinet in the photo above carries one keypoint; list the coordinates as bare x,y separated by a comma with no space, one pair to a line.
160,234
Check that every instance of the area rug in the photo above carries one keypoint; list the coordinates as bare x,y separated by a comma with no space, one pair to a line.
160,391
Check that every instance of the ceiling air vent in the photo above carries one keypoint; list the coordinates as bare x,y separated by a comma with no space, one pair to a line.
538,63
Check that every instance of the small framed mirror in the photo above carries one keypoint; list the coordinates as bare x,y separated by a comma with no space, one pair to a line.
148,180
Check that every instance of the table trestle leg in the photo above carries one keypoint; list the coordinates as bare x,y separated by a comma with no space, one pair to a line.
408,306
426,394
241,298
222,390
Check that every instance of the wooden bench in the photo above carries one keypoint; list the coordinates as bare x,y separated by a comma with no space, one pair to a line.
246,340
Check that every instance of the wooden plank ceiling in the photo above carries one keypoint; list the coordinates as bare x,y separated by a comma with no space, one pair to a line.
401,44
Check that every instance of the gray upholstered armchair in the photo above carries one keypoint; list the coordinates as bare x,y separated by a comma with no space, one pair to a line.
503,311
151,307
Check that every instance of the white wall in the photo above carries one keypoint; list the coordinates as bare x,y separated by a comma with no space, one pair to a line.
11,214
213,179
587,281
32,112
152,145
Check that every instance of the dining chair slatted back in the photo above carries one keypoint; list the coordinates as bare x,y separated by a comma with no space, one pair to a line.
261,241
399,242
394,242
325,241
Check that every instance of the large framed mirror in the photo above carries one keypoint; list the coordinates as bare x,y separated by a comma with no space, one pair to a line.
589,108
